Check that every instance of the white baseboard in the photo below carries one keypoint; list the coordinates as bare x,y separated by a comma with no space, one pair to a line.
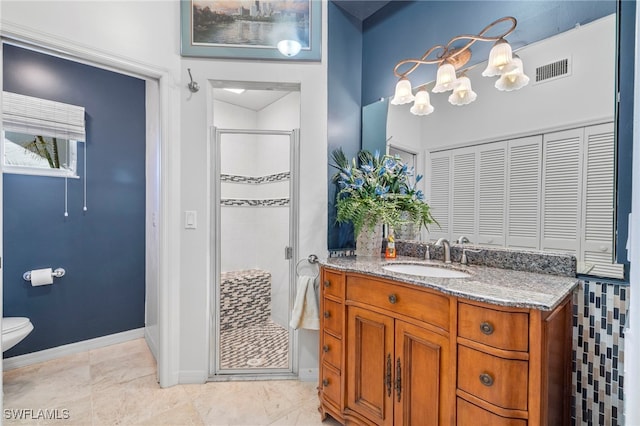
151,342
308,374
70,349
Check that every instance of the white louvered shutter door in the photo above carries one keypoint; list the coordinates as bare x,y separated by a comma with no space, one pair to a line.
440,191
464,194
492,180
562,191
523,192
599,189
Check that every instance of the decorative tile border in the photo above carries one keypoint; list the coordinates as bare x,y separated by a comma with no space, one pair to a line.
273,202
277,177
600,313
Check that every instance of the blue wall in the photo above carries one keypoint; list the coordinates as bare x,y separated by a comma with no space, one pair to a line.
344,115
102,250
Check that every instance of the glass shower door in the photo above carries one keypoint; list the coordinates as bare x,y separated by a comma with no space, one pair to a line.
254,249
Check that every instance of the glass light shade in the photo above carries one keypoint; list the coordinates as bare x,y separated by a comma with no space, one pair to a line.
513,80
289,47
403,93
422,104
445,78
500,59
462,92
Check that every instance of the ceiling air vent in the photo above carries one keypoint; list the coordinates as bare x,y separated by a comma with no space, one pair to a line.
553,71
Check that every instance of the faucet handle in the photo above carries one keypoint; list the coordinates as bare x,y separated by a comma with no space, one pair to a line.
464,259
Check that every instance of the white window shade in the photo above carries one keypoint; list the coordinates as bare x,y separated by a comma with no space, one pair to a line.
29,115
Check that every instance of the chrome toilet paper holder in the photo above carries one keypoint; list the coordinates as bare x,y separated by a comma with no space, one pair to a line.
57,273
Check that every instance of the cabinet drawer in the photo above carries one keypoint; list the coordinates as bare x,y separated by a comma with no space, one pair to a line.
331,350
472,415
502,382
330,385
417,303
499,329
332,316
332,283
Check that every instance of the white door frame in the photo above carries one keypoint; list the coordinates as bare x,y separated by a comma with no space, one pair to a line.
168,165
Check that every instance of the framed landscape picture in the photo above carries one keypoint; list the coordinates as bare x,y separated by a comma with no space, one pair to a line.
250,29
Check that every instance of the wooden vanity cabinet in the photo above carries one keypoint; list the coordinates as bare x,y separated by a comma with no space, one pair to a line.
330,388
513,365
396,354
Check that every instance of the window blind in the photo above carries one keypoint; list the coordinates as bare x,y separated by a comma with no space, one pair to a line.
35,116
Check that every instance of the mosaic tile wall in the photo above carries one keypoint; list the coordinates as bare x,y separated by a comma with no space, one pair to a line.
235,202
245,298
278,177
599,317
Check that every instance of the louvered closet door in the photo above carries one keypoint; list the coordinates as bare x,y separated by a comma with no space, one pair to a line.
598,190
440,194
523,192
562,191
464,195
492,180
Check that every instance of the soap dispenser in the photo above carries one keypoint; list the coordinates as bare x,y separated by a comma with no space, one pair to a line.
390,251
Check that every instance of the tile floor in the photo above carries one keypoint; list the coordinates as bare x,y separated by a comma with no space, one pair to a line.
116,385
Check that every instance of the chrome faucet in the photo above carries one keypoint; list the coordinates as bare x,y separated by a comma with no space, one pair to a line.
463,240
447,249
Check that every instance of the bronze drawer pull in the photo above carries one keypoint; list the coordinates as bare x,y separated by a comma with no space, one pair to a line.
327,283
325,382
327,314
398,379
486,328
387,378
325,348
486,379
393,298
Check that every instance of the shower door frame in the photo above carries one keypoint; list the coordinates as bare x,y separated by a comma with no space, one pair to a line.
215,372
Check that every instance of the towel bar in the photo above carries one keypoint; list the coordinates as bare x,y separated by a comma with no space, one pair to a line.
313,260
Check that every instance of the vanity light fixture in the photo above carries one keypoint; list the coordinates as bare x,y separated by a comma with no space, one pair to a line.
501,63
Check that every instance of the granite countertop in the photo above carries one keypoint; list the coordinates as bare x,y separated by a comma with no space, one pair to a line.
487,284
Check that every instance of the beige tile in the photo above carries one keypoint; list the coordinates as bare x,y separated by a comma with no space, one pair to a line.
117,385
129,348
119,370
183,415
46,390
135,401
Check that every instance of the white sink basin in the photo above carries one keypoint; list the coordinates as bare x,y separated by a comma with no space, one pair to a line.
425,271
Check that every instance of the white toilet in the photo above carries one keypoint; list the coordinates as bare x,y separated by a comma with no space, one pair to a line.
14,329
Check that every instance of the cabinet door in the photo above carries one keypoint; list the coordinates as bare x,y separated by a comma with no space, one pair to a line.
561,191
422,375
440,194
369,363
524,158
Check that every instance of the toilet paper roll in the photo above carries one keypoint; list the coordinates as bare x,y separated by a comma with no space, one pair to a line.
41,277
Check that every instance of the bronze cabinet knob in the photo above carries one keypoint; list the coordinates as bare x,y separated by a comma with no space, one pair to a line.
393,298
486,328
486,379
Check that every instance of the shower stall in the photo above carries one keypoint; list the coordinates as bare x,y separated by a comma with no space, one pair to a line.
255,223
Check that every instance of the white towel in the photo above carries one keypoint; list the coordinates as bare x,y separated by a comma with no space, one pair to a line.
305,309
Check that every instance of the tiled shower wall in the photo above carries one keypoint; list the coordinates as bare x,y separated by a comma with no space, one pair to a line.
599,318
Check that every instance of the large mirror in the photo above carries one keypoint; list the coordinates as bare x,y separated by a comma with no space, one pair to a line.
527,169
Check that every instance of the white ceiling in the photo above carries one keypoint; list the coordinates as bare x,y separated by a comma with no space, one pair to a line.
255,100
